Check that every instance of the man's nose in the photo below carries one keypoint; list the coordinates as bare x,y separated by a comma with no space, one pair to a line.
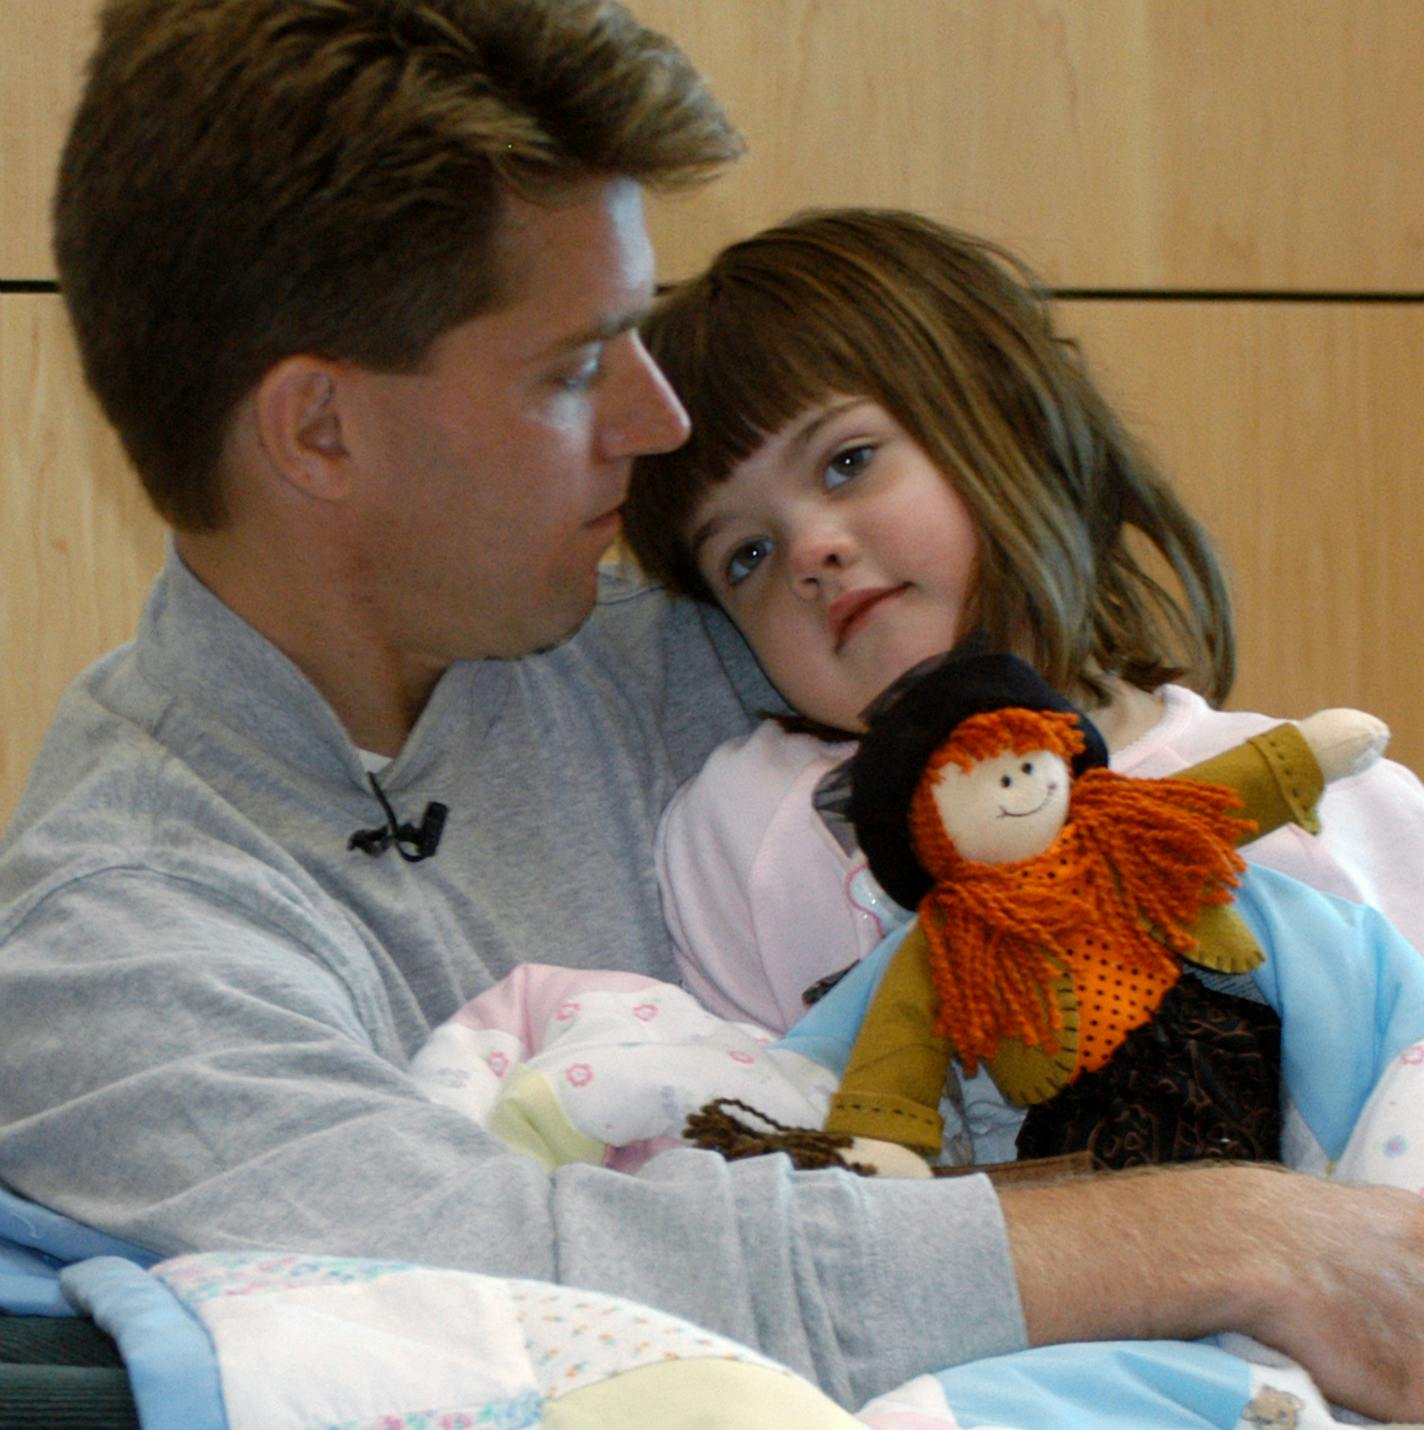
645,415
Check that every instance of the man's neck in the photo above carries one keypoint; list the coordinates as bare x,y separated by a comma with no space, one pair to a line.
314,620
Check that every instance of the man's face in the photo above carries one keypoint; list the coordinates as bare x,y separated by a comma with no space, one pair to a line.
490,480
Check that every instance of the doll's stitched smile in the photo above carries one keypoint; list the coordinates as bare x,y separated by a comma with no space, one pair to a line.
1049,792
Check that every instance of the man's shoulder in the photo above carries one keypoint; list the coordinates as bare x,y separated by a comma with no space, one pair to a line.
641,621
89,734
106,792
127,851
113,788
662,669
629,602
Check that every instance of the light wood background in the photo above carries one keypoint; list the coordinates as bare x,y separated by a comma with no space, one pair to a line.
1232,187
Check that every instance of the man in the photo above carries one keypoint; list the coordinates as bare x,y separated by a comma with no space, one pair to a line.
357,282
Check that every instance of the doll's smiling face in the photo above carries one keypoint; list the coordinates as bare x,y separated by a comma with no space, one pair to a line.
1005,808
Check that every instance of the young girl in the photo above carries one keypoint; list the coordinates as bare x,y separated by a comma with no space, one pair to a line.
892,447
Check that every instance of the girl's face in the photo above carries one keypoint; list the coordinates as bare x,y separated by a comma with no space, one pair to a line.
843,555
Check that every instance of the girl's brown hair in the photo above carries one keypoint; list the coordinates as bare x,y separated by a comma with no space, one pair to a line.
954,338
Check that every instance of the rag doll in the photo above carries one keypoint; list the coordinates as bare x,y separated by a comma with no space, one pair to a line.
1057,902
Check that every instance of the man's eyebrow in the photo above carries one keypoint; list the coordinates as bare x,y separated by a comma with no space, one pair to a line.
604,330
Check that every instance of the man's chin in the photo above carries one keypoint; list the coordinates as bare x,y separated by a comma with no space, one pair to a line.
561,633
554,644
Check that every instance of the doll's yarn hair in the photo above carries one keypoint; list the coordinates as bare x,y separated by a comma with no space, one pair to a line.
912,719
981,737
1136,863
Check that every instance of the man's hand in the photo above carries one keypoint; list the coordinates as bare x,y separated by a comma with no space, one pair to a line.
1331,1275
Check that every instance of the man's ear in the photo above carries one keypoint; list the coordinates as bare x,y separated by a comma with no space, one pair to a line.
298,417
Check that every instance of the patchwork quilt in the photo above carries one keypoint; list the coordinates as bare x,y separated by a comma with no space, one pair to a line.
266,1341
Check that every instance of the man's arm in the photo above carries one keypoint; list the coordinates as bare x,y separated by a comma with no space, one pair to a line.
201,1077
189,1073
1331,1275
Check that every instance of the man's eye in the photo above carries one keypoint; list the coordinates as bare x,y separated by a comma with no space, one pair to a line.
845,465
745,559
584,375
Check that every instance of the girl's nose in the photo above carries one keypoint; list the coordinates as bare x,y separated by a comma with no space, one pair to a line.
819,551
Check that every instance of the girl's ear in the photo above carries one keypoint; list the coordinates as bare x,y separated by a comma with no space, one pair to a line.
298,415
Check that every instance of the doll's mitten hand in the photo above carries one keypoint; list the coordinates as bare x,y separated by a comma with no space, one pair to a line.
887,1159
1344,741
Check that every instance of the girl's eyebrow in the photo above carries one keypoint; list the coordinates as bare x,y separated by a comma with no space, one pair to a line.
796,444
803,438
703,532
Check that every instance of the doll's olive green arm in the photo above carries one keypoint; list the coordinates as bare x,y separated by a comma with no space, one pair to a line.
897,1068
1275,773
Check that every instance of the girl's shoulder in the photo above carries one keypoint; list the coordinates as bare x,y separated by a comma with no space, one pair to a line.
746,787
1187,731
763,764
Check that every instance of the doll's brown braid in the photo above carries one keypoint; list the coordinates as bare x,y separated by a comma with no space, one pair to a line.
716,1129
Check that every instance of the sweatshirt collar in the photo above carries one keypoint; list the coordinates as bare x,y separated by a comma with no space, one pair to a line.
193,645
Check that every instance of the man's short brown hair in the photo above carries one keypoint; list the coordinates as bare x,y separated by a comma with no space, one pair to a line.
249,179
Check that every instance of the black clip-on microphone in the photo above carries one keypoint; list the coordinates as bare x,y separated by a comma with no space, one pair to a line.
425,837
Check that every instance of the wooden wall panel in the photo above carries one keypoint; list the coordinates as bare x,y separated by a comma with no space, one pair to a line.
81,545
1294,431
1118,143
1125,144
43,45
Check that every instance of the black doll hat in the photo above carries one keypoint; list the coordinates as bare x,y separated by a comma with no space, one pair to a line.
906,724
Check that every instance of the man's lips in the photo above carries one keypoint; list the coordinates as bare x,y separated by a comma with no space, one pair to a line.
849,611
606,525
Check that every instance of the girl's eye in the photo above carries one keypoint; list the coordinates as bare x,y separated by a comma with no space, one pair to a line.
745,559
846,464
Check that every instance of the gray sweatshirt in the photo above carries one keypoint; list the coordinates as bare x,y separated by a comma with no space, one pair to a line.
208,1000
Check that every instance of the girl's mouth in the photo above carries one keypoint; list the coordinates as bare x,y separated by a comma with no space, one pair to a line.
849,611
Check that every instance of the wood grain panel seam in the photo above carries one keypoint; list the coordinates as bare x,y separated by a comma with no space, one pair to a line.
1230,295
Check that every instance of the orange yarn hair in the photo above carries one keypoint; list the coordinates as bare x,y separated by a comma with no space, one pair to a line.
1134,865
980,737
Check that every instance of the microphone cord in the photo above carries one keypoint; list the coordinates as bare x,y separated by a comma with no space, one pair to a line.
425,837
